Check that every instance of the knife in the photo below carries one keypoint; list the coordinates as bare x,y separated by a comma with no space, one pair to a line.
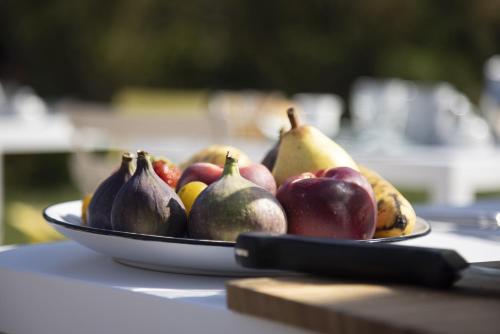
348,259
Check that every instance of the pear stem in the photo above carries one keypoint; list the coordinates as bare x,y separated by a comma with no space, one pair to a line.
282,132
230,166
294,119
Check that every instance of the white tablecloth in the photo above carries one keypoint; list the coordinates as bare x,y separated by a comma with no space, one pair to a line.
66,288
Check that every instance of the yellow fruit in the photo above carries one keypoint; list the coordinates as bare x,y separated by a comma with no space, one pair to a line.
306,149
189,192
216,154
85,204
395,216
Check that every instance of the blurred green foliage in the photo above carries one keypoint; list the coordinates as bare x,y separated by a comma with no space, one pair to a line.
92,48
33,182
36,171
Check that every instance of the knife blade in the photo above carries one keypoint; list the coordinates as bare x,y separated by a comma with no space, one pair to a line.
348,259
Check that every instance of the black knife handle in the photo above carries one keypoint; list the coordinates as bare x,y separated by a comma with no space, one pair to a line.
432,267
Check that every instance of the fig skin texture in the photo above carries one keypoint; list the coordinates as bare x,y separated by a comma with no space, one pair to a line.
99,209
233,205
147,205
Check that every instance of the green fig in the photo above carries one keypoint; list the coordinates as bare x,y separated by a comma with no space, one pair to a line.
233,205
99,209
147,205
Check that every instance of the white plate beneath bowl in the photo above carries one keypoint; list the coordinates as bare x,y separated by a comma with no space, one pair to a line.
178,255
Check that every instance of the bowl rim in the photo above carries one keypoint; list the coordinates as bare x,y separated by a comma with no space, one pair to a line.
204,242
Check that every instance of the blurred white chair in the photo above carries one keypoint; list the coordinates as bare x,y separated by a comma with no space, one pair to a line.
490,97
28,105
402,112
379,112
321,110
457,123
3,100
250,114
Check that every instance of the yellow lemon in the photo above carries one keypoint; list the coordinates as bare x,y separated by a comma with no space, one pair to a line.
189,192
85,204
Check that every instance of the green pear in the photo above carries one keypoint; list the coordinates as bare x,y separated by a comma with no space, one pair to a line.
306,149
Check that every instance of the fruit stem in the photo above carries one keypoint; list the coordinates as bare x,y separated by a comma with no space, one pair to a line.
282,132
294,119
127,156
230,166
127,159
144,160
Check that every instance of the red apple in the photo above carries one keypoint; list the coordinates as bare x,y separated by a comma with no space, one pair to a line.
349,175
167,171
209,173
337,203
260,175
200,171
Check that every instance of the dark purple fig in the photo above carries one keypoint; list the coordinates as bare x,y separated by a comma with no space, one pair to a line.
99,210
233,205
147,205
270,158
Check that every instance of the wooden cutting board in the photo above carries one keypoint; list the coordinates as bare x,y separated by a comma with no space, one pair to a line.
472,306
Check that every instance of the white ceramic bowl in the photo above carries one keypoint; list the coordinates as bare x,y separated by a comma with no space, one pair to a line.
170,254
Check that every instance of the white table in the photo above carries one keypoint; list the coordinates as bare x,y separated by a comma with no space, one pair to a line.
450,175
66,288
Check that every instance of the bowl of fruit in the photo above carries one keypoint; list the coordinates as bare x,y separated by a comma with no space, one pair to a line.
153,214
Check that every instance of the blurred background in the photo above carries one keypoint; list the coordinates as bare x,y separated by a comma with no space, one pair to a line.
394,81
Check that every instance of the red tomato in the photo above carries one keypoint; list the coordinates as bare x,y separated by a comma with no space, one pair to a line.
169,174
